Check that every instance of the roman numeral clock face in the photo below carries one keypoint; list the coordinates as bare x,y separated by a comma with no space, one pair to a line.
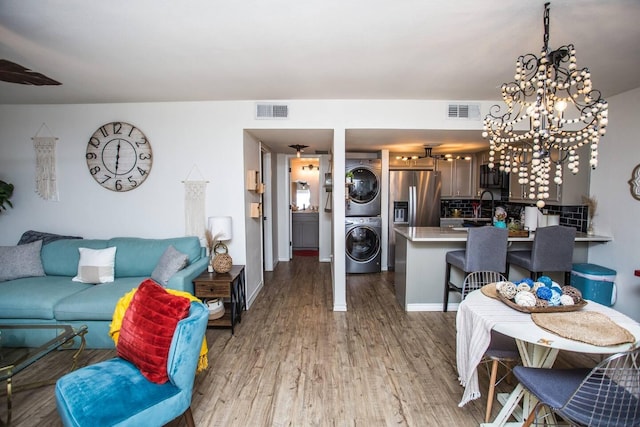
119,156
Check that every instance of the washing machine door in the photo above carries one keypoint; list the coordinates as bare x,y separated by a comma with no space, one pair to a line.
365,186
362,244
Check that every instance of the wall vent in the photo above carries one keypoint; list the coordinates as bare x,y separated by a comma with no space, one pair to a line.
272,111
463,111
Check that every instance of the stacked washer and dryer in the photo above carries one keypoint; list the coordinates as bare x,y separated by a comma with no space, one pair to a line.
363,231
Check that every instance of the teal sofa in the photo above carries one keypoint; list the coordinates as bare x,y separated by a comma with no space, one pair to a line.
55,298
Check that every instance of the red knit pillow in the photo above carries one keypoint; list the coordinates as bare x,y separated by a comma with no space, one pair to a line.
147,329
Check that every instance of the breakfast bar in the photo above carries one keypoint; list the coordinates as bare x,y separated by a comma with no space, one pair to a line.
420,263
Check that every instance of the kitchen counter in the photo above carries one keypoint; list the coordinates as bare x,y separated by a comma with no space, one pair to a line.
420,263
448,234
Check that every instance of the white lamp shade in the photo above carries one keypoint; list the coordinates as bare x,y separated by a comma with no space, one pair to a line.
220,227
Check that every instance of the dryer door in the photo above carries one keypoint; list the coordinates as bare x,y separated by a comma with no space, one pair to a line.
362,244
365,186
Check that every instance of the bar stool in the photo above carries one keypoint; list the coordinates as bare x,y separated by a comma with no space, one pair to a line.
486,250
552,251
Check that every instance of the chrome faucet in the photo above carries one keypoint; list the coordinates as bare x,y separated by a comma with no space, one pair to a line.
492,202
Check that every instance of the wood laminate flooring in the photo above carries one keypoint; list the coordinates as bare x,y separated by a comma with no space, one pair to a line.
295,362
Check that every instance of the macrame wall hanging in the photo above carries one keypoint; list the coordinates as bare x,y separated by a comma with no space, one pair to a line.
46,181
194,205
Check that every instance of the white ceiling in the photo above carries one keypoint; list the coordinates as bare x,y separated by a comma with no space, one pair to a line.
170,50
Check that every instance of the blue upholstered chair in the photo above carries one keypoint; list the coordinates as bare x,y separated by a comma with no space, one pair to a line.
552,251
607,395
114,392
486,250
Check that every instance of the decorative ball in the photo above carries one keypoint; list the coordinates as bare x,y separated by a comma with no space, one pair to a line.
566,300
544,293
554,300
556,288
525,299
508,290
500,284
526,280
546,280
573,293
536,286
523,287
542,303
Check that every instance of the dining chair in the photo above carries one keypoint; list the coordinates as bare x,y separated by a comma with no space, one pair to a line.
486,250
502,351
607,395
551,251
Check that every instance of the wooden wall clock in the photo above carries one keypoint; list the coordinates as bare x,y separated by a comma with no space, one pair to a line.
119,156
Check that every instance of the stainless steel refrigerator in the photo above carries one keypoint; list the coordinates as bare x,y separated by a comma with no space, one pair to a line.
414,201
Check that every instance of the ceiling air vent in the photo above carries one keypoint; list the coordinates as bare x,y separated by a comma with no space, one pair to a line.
464,111
272,111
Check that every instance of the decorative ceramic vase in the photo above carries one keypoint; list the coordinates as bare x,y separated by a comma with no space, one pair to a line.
500,224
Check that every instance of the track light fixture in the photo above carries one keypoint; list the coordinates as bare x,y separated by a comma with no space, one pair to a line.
428,153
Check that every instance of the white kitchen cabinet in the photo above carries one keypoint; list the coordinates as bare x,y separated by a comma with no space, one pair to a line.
457,178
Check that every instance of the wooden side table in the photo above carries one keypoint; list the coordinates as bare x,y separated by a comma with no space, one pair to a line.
228,286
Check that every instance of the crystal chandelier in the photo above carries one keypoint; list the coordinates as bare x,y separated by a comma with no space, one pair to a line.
562,111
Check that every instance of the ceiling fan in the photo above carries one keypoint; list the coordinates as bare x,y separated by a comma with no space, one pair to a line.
15,73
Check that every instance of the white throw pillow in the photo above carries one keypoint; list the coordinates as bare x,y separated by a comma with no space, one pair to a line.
96,265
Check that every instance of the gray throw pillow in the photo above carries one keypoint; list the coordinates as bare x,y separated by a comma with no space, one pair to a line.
169,264
20,261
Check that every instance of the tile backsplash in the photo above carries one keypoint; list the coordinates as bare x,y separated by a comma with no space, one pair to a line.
573,216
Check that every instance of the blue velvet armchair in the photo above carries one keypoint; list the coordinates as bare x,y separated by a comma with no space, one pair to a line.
115,393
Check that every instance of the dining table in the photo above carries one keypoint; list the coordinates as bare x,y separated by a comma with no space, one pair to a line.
480,312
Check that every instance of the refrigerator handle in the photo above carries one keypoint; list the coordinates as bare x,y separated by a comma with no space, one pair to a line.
412,206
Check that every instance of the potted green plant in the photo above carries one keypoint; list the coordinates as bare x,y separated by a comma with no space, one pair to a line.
349,177
6,191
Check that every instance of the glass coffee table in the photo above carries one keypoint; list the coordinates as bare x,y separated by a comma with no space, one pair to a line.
16,359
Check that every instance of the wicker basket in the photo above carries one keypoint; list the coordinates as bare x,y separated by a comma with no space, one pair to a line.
221,261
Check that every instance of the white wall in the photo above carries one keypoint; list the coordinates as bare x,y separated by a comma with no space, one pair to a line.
618,213
182,135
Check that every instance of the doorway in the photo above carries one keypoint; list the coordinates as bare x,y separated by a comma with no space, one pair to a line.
304,194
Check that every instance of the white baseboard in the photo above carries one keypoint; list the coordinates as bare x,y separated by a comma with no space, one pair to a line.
254,295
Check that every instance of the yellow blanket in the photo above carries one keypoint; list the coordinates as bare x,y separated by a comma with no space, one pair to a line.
123,304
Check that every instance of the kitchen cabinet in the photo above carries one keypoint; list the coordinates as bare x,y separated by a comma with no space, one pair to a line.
457,178
304,230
